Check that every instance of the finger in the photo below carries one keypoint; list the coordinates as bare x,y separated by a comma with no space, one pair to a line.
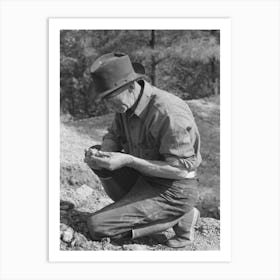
104,154
94,167
91,163
87,158
98,160
102,162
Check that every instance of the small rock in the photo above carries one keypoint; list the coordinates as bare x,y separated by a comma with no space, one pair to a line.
63,212
84,191
67,235
79,239
105,240
133,247
71,181
63,220
63,227
66,205
63,246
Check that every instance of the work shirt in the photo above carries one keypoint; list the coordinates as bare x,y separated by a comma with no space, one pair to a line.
159,126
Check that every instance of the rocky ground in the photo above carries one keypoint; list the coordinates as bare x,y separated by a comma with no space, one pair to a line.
82,194
77,203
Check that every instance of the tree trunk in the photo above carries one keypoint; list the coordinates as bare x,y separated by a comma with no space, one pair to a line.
153,60
214,80
213,63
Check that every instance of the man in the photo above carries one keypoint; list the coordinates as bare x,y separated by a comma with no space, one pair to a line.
148,159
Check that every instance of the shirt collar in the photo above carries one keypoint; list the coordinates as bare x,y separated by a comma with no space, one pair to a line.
144,100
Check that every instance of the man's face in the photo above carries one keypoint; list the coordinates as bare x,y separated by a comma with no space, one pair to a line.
121,101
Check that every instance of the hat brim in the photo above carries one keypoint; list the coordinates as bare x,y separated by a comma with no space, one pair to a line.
100,96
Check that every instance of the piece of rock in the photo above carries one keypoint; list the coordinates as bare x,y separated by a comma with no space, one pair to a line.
72,181
63,227
67,235
64,220
133,247
79,239
84,191
63,212
65,205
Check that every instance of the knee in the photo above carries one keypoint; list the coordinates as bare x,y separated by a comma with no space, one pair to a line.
95,227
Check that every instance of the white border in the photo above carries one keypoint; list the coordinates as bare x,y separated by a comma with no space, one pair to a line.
224,254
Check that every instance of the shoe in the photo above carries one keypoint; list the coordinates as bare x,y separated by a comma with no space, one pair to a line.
120,238
184,230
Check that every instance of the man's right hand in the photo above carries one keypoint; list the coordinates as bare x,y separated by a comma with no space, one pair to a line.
88,158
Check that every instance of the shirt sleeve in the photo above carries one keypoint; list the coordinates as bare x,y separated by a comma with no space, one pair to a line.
177,136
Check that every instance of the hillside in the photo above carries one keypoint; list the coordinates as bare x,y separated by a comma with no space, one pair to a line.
82,194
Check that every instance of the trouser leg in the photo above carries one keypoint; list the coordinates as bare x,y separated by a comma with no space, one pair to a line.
118,183
142,211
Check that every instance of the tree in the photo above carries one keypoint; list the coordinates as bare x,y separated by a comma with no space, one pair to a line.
185,62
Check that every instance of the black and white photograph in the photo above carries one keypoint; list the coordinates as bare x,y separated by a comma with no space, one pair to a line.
140,140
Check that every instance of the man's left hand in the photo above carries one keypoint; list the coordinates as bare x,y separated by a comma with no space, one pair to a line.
112,160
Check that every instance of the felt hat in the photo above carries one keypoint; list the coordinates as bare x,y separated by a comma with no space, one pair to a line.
112,71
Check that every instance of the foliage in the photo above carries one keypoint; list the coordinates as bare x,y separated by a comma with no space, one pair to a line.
185,62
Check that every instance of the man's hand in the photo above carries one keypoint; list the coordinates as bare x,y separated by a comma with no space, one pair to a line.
89,153
111,160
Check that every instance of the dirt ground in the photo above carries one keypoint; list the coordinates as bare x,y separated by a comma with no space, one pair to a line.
82,194
77,204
